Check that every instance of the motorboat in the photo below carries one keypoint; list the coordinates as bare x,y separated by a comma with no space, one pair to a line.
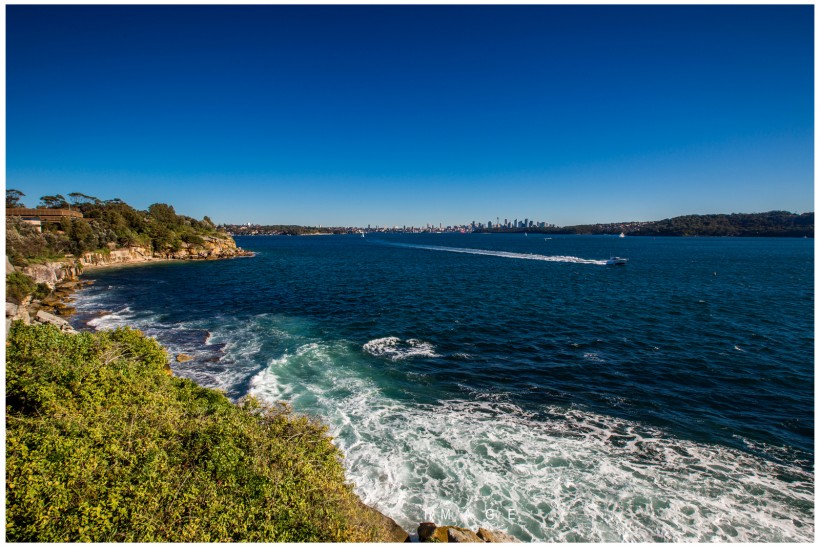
622,235
616,261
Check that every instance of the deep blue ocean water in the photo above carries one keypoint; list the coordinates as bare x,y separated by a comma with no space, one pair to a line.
516,382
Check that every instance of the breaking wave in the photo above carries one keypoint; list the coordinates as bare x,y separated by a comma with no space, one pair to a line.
558,475
393,348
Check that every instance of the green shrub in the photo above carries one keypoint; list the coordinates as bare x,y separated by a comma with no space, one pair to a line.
41,290
19,286
103,444
193,239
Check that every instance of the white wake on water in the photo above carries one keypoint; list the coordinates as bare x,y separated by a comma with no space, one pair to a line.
505,254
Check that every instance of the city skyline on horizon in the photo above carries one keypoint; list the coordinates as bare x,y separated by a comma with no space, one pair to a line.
409,115
507,222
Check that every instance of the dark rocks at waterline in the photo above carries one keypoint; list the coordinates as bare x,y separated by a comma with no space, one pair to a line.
496,536
389,527
429,532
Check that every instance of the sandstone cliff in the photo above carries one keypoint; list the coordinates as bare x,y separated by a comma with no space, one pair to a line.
52,273
212,248
62,276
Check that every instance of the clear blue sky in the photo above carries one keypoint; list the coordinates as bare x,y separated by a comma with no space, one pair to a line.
349,115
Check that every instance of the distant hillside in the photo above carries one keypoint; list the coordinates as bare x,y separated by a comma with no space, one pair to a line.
771,224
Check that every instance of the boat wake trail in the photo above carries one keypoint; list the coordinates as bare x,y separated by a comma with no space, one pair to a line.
505,254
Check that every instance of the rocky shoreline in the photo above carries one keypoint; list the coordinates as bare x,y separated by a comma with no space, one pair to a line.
429,532
62,277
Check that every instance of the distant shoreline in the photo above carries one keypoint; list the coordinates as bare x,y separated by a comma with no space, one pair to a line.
811,236
768,224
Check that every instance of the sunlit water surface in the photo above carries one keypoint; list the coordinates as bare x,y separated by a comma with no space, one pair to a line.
517,382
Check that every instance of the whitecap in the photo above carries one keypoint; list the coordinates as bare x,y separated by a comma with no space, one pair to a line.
120,318
395,349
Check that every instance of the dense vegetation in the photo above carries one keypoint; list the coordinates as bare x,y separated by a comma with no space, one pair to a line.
106,225
770,224
103,444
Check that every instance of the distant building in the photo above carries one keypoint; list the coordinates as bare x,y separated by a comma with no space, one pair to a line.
36,222
42,215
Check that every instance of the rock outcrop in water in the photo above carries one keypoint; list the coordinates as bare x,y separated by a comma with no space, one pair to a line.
429,532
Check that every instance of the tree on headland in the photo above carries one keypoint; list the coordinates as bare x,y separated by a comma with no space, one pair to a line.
163,214
13,198
54,202
78,198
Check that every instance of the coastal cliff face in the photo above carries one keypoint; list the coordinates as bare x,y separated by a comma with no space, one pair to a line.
211,248
55,272
52,273
127,255
62,276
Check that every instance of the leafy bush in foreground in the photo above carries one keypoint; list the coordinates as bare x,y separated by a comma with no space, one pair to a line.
103,444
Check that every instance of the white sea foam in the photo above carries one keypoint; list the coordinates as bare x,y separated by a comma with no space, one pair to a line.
505,254
240,344
566,475
398,350
120,318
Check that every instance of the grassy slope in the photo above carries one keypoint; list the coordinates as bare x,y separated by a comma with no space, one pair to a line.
103,444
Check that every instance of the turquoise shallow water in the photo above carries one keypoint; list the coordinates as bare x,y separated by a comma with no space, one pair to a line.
515,381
